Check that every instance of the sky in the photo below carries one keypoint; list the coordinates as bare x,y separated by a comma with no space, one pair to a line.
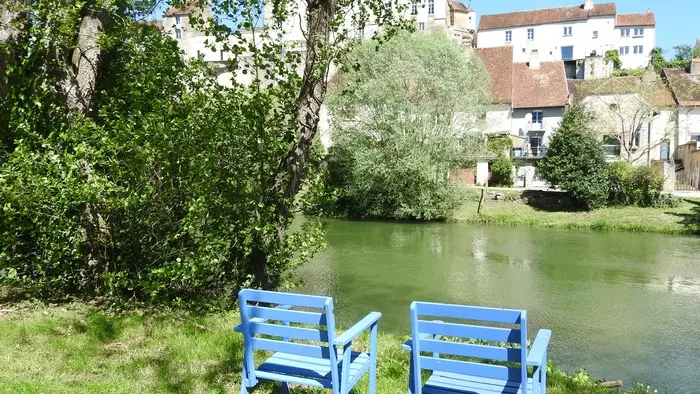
677,21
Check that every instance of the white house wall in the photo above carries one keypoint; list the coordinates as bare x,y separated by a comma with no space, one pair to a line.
551,119
688,124
498,119
648,41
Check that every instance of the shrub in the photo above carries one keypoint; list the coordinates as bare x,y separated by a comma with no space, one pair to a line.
645,186
502,172
618,174
575,160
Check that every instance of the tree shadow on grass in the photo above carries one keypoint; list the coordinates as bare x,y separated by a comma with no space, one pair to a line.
690,220
550,201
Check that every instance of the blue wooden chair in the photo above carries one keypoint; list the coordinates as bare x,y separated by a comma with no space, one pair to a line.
328,363
474,370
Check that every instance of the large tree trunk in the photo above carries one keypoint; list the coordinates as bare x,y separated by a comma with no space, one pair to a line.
78,86
311,96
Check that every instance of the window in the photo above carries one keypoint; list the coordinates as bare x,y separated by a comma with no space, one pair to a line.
431,7
638,49
625,32
421,26
178,33
638,31
665,152
537,118
221,55
624,50
361,31
470,18
531,34
177,20
611,146
414,7
509,36
595,33
567,53
199,53
568,30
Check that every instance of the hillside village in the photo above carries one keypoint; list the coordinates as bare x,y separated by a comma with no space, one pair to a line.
541,62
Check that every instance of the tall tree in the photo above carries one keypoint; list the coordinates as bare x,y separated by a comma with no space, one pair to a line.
402,119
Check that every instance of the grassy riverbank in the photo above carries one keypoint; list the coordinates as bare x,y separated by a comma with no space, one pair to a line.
684,219
77,349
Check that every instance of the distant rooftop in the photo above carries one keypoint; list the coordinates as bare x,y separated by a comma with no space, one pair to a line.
543,16
655,93
640,19
541,87
458,6
685,86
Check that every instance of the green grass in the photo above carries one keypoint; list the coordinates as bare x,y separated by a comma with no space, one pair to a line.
78,349
684,219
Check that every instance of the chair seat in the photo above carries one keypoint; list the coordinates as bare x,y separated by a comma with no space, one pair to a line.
312,369
453,383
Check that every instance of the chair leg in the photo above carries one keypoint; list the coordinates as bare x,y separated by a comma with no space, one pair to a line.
244,381
285,388
411,389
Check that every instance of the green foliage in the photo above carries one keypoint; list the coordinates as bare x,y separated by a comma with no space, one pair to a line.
575,160
500,145
681,59
631,72
401,121
502,172
635,185
613,56
172,169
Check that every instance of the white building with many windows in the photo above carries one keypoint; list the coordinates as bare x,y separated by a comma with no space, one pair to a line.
571,34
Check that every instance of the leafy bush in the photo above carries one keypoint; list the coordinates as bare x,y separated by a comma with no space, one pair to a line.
634,185
668,201
645,185
575,160
403,120
613,56
502,172
161,193
618,176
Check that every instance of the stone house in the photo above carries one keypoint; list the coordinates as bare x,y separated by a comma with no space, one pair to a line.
570,34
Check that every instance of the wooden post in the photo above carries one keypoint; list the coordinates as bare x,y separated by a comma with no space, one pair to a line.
481,200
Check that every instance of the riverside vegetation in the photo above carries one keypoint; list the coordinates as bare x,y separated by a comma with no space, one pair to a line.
79,349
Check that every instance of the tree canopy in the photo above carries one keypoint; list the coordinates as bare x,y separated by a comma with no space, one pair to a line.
403,116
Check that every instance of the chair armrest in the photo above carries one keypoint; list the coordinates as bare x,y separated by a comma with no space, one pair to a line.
539,348
357,329
239,328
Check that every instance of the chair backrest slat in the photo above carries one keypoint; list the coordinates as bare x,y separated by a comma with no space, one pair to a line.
302,317
291,348
273,297
495,315
472,358
470,350
511,335
277,330
471,368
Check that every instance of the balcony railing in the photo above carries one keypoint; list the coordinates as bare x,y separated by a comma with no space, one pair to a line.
530,151
536,126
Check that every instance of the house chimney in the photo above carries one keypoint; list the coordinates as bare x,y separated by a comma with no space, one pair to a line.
588,5
534,60
695,66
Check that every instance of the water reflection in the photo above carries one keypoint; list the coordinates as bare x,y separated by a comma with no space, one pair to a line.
625,306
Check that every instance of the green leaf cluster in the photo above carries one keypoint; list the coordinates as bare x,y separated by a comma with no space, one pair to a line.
403,117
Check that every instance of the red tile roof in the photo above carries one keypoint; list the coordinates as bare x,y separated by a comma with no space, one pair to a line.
547,15
516,84
542,87
190,7
499,64
641,19
458,6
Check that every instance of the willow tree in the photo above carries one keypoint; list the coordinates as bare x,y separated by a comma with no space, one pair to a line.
126,170
403,117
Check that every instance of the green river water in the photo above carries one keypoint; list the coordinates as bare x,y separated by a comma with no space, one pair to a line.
622,305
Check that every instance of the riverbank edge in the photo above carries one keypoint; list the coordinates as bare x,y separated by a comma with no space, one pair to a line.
599,225
50,348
